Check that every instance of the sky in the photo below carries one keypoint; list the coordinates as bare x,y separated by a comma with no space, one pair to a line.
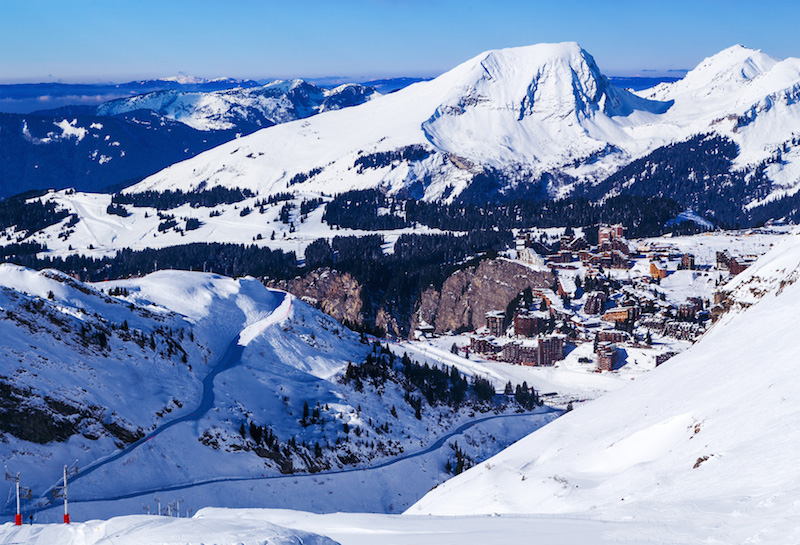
120,40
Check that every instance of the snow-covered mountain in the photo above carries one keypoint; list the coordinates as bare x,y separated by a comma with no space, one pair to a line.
540,119
78,149
25,98
190,381
703,448
124,140
243,108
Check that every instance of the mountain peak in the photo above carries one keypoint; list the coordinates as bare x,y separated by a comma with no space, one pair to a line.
717,74
548,80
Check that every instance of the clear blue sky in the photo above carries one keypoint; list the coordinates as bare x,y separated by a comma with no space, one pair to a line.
120,40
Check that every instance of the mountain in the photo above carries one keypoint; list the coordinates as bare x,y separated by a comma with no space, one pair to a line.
704,445
742,164
515,108
533,121
24,98
245,109
120,142
90,152
151,383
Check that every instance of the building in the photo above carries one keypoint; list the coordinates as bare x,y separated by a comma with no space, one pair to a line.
544,352
483,345
529,255
688,310
606,356
495,322
658,270
607,233
620,314
529,323
520,354
733,264
551,350
567,286
595,303
687,261
563,256
612,335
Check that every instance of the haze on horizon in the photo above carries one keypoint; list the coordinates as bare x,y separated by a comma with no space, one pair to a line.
97,41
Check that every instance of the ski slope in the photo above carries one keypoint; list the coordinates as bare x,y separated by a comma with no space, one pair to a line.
705,443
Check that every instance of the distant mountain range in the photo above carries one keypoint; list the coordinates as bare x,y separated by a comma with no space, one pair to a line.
539,122
30,97
91,148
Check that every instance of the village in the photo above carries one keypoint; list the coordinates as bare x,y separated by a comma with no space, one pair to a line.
609,299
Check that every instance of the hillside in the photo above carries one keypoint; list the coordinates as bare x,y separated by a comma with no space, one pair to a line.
192,381
119,142
704,443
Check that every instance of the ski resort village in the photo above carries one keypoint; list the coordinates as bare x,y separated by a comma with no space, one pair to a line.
512,298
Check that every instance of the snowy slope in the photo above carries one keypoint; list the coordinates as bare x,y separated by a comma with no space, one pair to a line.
747,96
166,381
89,152
705,444
221,528
521,105
276,102
523,112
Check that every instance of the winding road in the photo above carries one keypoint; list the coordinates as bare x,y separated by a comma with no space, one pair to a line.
439,443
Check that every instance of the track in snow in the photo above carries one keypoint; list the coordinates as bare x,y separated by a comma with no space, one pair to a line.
231,357
439,443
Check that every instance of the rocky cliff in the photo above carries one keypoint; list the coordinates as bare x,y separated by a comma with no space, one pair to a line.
334,293
468,294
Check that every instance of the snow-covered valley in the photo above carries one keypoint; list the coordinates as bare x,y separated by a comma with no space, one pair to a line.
214,388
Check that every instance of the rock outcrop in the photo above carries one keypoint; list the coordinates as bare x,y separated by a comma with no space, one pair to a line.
334,293
468,294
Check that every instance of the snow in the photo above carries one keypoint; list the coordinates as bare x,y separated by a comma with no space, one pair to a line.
226,109
529,110
219,528
703,443
251,354
107,234
69,129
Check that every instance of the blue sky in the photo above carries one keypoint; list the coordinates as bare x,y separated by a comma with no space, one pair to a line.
120,40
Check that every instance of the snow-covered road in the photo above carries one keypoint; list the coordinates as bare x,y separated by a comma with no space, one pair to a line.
439,443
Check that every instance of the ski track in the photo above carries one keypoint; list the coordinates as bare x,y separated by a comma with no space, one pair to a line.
439,443
229,359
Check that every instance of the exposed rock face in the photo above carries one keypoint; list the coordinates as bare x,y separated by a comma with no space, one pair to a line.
467,295
463,301
334,293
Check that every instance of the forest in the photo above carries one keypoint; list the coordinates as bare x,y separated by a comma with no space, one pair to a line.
166,200
372,210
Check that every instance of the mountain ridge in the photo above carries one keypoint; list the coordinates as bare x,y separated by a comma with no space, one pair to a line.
537,114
